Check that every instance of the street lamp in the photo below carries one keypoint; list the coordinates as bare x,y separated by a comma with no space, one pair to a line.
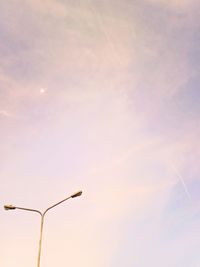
42,214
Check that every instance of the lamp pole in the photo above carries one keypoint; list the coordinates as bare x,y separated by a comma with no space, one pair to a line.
42,214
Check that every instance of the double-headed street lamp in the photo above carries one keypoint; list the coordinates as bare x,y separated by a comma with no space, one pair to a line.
42,214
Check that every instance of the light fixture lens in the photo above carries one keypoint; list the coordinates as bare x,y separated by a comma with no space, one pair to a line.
9,207
77,194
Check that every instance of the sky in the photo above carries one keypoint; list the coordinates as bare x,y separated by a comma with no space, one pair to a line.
103,97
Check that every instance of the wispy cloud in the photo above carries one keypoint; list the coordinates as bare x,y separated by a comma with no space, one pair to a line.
182,181
176,4
5,113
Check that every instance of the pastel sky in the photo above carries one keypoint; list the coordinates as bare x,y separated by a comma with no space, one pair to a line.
100,96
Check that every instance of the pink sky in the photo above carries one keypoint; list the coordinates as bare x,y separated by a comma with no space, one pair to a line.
100,96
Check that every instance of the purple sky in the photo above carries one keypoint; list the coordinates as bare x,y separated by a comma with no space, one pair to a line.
101,96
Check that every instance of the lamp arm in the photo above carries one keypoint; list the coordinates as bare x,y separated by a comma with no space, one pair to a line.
55,205
19,208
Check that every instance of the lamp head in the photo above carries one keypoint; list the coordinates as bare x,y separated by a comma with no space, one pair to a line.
77,194
9,207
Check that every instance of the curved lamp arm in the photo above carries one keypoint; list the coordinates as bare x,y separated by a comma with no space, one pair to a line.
11,207
77,194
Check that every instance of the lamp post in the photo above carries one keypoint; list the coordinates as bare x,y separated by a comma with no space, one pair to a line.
42,214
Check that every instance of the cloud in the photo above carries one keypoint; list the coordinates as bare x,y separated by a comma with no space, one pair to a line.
176,4
4,113
52,8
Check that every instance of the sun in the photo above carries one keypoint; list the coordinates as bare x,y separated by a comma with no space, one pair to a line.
42,90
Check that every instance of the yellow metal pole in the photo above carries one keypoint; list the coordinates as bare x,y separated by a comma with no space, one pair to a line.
40,241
